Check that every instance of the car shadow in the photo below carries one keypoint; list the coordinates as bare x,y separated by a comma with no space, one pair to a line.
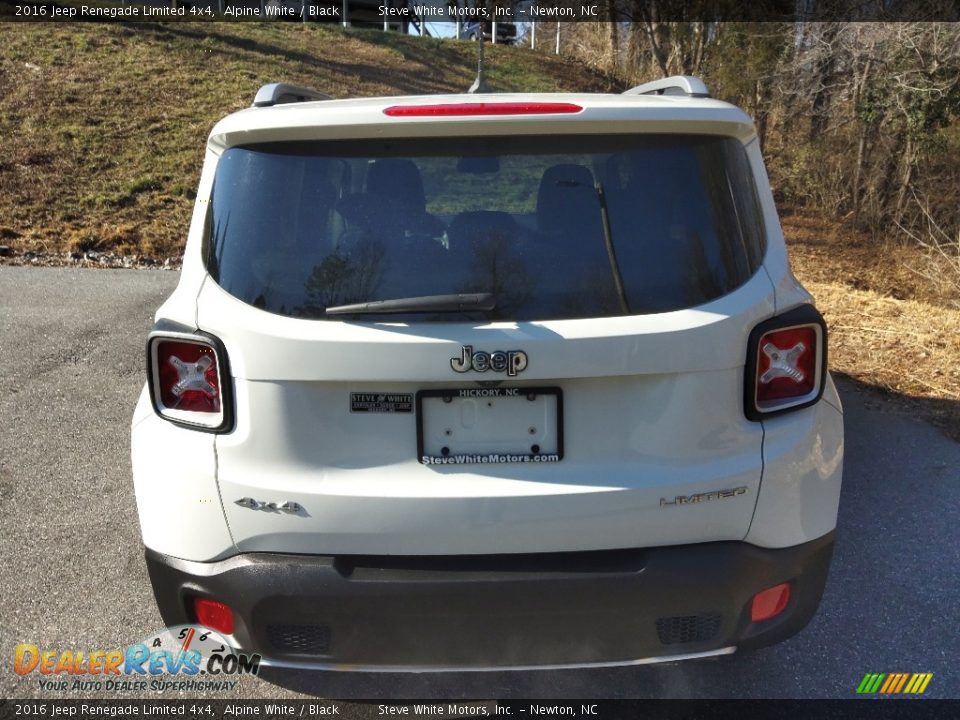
432,54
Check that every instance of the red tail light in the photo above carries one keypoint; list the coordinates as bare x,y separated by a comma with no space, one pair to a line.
482,108
187,375
214,615
786,363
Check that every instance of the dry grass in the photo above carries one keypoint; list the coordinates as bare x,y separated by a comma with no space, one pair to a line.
903,346
103,125
828,251
889,329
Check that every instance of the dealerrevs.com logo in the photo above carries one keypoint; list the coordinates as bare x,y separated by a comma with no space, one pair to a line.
185,657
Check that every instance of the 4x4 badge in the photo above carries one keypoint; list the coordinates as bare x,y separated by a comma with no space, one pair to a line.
509,361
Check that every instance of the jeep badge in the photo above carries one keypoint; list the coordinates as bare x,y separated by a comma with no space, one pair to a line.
508,361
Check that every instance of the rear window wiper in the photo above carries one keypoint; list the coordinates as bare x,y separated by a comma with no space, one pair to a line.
461,302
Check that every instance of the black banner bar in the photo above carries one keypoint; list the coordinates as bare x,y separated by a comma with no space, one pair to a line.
373,12
855,709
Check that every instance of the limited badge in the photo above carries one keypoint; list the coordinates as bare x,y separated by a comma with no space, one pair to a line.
381,402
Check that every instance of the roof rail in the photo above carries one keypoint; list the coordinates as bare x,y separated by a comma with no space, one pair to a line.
682,85
281,93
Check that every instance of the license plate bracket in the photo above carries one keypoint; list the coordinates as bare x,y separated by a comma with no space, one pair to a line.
489,425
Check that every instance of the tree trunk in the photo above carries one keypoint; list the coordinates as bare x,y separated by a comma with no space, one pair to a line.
652,29
858,173
760,114
823,77
864,126
906,177
699,48
614,41
891,163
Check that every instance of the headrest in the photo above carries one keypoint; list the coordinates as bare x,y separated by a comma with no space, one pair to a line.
398,178
567,199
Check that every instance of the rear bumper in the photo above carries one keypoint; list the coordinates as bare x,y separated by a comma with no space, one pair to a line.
455,612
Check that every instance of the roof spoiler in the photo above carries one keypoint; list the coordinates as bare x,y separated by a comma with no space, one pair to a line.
282,93
678,85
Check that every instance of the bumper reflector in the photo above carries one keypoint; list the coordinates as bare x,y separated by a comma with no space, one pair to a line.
214,615
769,603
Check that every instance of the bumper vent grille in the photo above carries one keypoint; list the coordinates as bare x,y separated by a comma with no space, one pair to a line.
687,629
299,639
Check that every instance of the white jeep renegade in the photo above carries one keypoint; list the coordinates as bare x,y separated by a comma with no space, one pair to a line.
488,381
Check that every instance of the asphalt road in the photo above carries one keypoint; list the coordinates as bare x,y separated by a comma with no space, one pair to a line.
72,573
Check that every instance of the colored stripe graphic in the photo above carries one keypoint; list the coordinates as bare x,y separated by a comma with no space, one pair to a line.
871,683
892,679
918,683
894,683
890,686
903,680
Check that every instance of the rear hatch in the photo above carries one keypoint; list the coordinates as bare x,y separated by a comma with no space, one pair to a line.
473,345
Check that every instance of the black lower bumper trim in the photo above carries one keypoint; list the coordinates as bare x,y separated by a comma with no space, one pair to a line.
492,611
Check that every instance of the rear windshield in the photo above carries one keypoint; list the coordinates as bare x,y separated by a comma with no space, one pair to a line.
551,227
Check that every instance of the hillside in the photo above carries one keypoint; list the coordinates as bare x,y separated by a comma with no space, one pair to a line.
103,125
